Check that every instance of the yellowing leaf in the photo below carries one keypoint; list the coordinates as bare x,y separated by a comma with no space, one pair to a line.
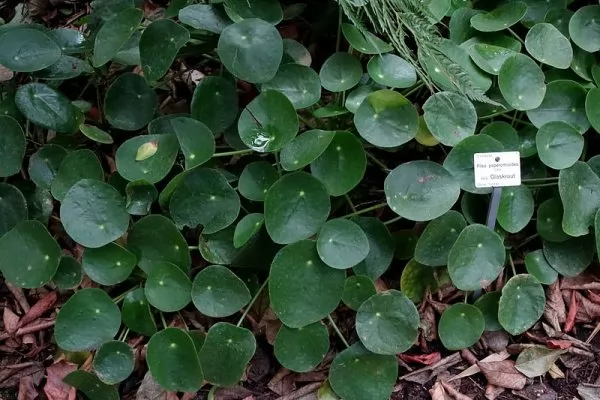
146,151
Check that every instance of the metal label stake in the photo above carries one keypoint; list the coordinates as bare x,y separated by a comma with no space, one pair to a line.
496,170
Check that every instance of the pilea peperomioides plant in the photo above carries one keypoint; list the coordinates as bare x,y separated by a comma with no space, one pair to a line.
304,192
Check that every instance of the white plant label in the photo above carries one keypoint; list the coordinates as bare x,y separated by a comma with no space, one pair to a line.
497,169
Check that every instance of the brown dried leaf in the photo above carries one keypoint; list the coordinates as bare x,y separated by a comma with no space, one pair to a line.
11,321
588,392
5,74
555,372
428,323
282,383
454,393
437,392
585,281
555,311
425,359
492,392
503,374
27,390
232,393
39,308
473,369
150,389
536,361
55,388
426,374
271,324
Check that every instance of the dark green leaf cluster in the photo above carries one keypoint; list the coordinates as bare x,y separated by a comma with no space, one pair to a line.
299,182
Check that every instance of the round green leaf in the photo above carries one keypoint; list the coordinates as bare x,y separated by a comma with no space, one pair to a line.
247,228
571,257
559,145
88,319
564,101
342,165
296,206
459,27
364,41
256,179
539,268
251,50
159,45
527,146
77,165
47,108
357,289
381,248
153,168
295,52
91,386
197,142
516,208
488,305
173,361
559,17
521,82
155,239
341,71
204,197
113,35
96,134
459,161
13,207
358,374
392,71
302,288
29,256
70,41
12,146
386,119
583,63
215,102
592,110
130,103
218,248
461,326
548,45
584,29
140,196
342,244
520,290
44,164
421,190
504,133
136,313
302,349
109,264
416,279
168,288
27,50
476,258
304,149
489,57
435,242
93,213
387,323
549,221
356,96
207,17
217,292
450,117
267,10
226,353
113,362
68,275
579,189
268,122
300,84
329,111
500,18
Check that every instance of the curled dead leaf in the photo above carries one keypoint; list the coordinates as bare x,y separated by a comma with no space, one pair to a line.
55,388
503,374
40,308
